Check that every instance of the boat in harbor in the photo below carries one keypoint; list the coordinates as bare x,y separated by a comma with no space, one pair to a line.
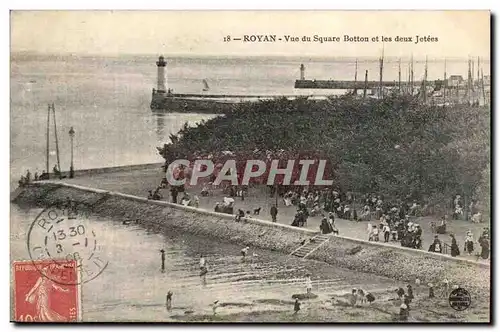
205,85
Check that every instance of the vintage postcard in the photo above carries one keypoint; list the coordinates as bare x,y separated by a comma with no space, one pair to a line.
250,166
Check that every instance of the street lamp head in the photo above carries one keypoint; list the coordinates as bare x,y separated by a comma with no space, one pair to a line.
71,132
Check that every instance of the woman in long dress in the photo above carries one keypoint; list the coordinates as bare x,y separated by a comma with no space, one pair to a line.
40,293
455,251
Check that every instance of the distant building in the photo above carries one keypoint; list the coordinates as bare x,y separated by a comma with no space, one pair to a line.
455,80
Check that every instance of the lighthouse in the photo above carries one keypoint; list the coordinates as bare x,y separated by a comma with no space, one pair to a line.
302,72
161,64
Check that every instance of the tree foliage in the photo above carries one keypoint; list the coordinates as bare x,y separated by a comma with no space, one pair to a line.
394,146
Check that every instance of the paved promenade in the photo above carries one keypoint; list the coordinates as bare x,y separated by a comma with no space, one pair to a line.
139,181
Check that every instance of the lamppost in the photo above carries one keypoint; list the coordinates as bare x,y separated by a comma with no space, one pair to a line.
71,136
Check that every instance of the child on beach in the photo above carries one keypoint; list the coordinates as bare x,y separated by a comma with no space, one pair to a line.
308,284
296,306
169,300
244,253
215,305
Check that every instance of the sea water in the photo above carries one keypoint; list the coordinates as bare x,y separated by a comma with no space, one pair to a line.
106,101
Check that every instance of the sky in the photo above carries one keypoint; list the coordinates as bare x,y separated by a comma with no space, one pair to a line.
201,33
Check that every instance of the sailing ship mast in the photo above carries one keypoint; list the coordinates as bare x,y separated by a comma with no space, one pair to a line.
424,83
482,85
445,83
472,78
356,78
381,73
399,75
366,84
55,134
478,70
469,77
411,75
408,77
48,142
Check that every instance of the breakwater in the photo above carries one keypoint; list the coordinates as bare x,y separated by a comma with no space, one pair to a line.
394,262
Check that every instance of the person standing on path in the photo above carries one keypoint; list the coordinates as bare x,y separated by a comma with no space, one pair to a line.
469,243
274,213
455,251
485,244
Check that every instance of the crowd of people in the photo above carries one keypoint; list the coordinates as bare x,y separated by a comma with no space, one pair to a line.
387,221
28,178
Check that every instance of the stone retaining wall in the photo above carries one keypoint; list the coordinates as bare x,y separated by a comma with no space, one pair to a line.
399,263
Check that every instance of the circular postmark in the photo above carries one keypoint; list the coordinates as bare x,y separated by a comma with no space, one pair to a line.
459,299
61,234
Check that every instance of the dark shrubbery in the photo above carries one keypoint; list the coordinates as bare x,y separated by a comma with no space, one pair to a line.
393,146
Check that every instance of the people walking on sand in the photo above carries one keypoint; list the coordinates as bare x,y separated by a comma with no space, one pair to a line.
455,251
203,269
215,305
400,292
274,213
244,253
446,287
469,243
407,301
308,284
203,262
353,299
403,312
162,260
296,306
169,300
431,290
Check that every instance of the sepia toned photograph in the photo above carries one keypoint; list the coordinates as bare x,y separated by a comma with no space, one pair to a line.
250,166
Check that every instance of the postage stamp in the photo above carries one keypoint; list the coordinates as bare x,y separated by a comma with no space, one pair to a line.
53,296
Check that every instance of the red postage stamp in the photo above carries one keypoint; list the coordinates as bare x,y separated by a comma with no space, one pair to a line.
46,291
